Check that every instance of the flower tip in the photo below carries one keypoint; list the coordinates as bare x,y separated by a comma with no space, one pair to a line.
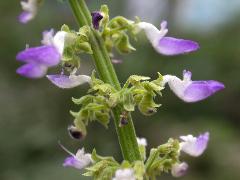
194,146
170,46
96,18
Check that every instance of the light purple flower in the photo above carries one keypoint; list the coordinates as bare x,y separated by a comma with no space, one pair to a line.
194,146
192,91
30,8
71,81
96,18
39,59
78,161
179,169
166,45
124,174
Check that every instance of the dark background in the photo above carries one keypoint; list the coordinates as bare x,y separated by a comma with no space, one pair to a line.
34,114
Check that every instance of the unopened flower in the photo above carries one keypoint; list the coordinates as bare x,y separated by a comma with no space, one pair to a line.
192,91
67,82
142,141
30,9
78,161
96,18
39,59
194,146
179,169
124,174
166,45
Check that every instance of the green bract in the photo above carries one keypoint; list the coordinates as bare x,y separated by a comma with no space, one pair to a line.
138,91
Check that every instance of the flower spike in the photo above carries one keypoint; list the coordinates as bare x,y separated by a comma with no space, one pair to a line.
166,45
194,146
192,91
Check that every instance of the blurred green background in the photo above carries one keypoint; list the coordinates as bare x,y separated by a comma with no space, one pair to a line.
35,114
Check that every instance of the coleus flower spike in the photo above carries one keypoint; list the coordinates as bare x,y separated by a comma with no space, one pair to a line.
39,59
194,146
30,9
166,45
96,18
192,91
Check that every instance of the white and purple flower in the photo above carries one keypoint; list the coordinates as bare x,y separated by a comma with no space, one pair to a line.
179,169
194,146
124,174
30,9
39,59
191,91
78,161
166,45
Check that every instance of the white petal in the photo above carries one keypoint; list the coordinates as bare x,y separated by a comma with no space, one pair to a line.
124,174
142,141
59,41
48,37
179,170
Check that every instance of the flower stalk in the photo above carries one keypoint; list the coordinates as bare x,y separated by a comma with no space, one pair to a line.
126,134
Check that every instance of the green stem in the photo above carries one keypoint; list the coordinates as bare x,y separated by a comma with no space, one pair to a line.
126,134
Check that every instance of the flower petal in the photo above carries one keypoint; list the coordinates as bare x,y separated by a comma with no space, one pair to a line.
32,70
124,174
48,37
179,170
194,146
25,17
96,18
200,90
172,46
45,55
59,41
72,162
66,82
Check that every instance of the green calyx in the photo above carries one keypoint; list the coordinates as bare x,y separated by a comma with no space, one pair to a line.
160,160
102,97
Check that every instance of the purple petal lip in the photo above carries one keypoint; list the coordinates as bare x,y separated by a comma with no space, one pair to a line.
72,162
201,144
45,55
66,82
96,18
32,70
24,17
171,46
200,90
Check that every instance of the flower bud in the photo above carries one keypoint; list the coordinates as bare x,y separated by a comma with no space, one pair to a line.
75,133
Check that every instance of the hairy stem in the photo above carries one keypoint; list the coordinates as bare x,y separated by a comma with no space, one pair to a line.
126,134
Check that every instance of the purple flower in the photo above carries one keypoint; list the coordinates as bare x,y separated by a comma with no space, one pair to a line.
179,169
166,45
66,82
96,18
194,146
78,161
192,91
30,8
39,59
